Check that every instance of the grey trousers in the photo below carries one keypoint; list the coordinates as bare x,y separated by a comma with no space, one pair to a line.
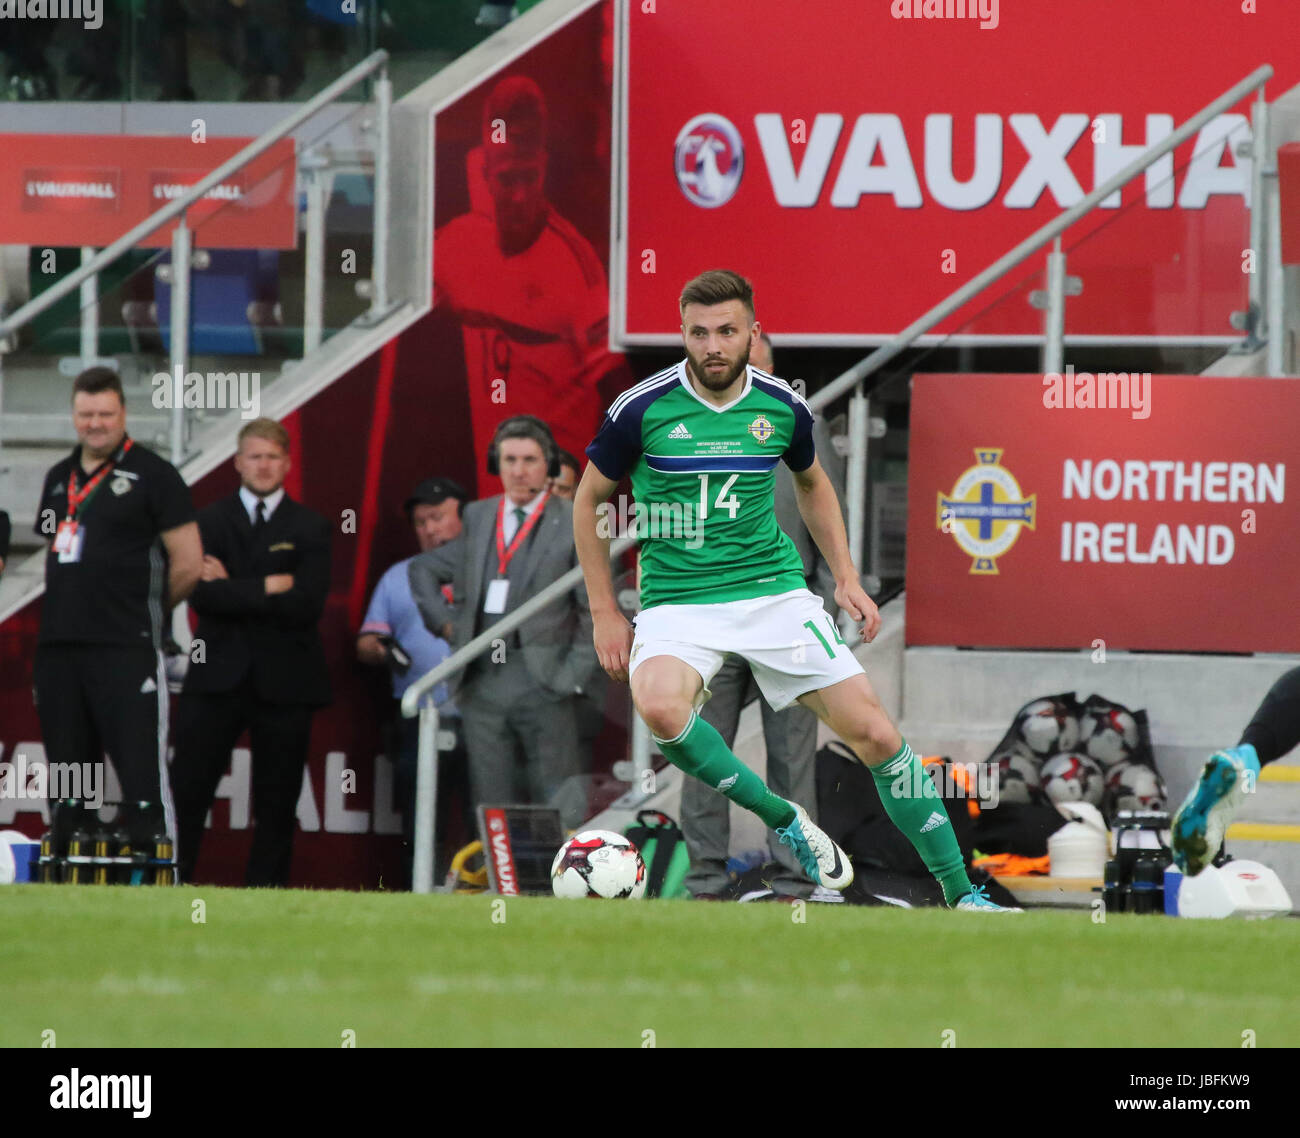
791,740
522,742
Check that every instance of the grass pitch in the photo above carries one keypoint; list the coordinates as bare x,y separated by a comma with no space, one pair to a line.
118,967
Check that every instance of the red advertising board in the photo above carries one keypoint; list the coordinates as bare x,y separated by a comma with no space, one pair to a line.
84,189
1148,512
859,166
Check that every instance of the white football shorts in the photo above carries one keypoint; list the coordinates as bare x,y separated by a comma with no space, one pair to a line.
789,641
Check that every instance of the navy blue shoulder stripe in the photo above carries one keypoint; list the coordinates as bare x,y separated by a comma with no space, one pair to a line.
782,390
651,388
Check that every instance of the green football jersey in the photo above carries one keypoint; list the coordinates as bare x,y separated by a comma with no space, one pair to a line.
702,483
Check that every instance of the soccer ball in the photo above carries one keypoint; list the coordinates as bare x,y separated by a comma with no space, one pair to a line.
598,863
1107,735
1073,778
1018,781
1133,786
1047,727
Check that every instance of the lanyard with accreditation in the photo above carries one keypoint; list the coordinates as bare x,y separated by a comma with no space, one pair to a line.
71,535
495,600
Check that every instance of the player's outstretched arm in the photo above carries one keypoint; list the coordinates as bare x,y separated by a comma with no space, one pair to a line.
611,633
820,509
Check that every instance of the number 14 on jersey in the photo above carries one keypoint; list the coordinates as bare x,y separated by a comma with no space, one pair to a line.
722,502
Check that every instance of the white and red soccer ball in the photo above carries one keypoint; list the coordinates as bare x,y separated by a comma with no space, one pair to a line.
1133,786
1047,727
598,863
1018,778
1073,777
1107,735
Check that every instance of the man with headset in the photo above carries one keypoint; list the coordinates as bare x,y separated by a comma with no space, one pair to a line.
518,701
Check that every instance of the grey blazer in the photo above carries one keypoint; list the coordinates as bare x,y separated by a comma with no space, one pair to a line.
557,642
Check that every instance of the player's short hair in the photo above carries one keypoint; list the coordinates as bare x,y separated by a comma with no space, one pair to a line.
96,379
718,286
267,429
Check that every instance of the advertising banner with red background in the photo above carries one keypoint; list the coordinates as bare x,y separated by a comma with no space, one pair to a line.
359,448
1039,519
89,189
829,152
521,237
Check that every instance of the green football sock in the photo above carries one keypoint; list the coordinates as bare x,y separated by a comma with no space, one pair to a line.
913,804
700,751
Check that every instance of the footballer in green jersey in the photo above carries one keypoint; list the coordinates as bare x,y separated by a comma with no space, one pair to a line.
701,443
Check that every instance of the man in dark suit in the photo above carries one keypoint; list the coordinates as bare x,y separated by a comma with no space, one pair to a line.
261,665
518,700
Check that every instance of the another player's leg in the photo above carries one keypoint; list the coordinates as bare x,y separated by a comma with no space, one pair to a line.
705,815
1203,818
850,708
664,690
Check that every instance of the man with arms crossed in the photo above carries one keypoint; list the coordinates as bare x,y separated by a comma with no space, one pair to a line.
701,441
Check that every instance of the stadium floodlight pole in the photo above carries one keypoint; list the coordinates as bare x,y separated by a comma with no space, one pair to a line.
133,237
182,244
1032,244
422,882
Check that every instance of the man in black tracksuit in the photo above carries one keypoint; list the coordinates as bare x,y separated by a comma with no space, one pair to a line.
260,665
124,548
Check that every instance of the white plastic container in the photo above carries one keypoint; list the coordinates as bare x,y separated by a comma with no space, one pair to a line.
1238,889
1077,849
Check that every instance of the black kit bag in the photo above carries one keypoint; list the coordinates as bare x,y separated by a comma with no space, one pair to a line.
886,866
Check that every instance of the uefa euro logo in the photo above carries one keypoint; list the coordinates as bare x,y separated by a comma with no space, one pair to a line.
709,158
986,510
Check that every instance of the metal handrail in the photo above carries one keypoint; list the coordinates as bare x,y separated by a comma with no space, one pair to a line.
1004,264
426,772
507,624
38,304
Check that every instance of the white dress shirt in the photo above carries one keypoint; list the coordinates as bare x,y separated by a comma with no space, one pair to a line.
250,501
511,523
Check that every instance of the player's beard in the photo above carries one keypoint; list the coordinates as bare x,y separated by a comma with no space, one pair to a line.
718,382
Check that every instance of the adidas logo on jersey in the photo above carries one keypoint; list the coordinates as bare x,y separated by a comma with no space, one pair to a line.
148,686
679,432
934,822
727,783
